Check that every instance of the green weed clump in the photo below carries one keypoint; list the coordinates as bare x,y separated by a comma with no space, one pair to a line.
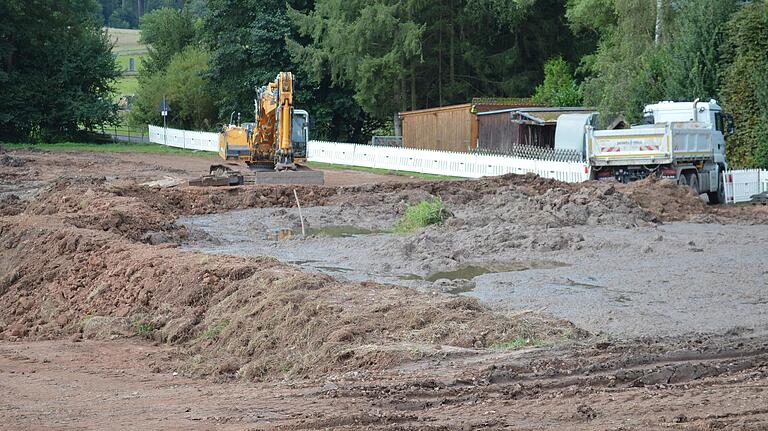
517,343
143,328
423,214
215,329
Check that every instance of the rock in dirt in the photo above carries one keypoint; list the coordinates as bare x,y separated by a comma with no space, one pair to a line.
155,238
13,162
165,182
19,330
586,412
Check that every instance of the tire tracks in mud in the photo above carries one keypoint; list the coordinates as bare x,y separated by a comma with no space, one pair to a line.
414,400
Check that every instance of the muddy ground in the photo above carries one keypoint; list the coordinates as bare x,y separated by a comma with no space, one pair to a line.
126,300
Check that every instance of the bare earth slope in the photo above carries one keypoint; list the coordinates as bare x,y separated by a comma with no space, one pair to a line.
99,308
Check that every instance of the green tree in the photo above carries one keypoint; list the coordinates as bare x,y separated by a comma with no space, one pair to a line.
248,47
167,32
185,88
559,87
198,8
56,80
694,51
628,69
247,43
370,47
410,54
745,84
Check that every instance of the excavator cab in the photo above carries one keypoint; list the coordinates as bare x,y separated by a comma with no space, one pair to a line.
300,134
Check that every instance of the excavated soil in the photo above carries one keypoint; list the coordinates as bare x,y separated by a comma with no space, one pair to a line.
90,261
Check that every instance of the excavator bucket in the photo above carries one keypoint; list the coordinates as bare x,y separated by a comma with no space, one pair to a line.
302,175
221,175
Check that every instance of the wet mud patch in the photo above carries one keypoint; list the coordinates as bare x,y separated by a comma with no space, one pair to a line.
342,231
472,270
365,251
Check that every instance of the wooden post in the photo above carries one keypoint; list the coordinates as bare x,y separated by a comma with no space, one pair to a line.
301,217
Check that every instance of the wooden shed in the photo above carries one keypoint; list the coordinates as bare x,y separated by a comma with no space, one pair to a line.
450,128
500,130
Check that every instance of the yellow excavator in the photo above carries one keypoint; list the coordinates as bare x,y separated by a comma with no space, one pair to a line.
274,147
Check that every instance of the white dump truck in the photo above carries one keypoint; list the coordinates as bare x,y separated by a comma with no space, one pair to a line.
682,141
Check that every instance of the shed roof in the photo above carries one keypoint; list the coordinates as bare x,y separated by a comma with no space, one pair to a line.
464,106
539,115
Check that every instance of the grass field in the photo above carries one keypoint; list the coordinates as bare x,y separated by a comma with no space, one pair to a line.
126,41
127,45
122,60
112,148
126,86
320,165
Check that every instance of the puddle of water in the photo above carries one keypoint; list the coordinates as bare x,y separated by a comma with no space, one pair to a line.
341,231
470,271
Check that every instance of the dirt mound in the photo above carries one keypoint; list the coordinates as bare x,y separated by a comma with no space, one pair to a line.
529,199
91,203
257,317
253,317
515,217
665,198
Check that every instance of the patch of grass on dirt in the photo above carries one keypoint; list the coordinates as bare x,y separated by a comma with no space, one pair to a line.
215,329
320,165
112,148
516,343
423,214
143,328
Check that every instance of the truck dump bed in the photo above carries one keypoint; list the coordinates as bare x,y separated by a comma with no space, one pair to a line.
655,144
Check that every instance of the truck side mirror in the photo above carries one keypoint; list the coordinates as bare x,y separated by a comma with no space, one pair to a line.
729,124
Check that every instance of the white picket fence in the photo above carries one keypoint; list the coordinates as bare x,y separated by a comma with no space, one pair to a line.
467,165
397,159
741,185
201,141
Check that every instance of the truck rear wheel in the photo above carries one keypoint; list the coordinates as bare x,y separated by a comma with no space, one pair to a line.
717,197
683,180
693,182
